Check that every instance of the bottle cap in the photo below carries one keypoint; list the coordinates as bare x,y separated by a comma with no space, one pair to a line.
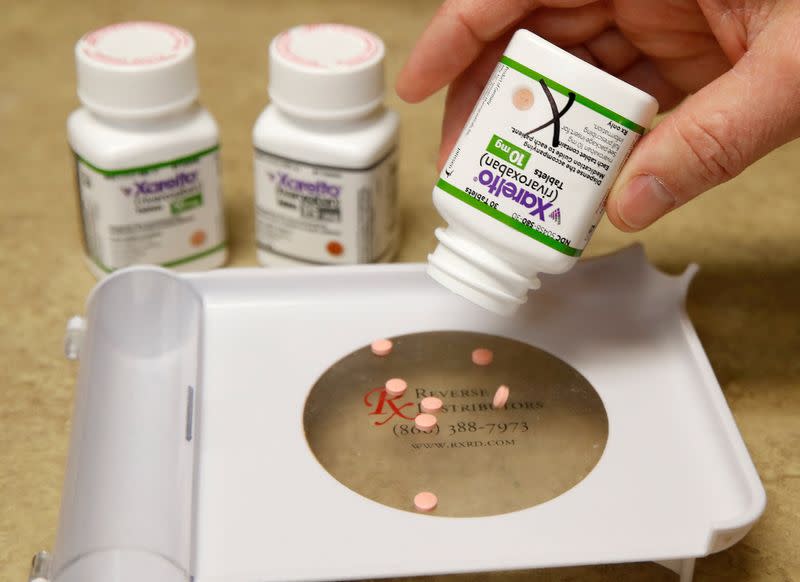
326,71
471,271
136,69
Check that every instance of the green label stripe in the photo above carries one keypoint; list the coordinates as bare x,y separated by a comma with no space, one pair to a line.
593,105
174,263
507,220
184,160
187,203
507,151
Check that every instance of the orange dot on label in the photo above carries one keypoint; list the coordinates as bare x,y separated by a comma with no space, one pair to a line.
425,501
396,387
198,238
522,99
382,347
335,248
482,356
501,397
425,422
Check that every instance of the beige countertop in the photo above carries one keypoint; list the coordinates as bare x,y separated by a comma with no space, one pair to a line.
745,302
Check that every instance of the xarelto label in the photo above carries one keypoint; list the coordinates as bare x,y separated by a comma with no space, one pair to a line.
322,214
165,214
539,157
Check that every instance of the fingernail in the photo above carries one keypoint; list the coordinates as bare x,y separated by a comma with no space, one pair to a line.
643,201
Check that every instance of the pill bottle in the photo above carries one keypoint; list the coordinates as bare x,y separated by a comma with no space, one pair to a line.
146,153
326,151
525,185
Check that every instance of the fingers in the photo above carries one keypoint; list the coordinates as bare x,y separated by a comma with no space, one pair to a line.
645,75
464,92
583,54
455,38
614,52
569,26
690,73
710,138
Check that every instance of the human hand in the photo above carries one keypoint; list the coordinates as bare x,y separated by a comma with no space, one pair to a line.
737,60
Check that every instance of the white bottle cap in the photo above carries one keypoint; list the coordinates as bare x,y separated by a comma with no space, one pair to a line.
468,269
326,71
136,69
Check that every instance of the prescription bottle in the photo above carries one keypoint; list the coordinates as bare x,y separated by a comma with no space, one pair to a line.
146,153
526,183
326,151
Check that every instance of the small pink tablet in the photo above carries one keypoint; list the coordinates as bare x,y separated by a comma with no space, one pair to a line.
382,347
482,356
431,404
396,387
425,501
425,422
500,397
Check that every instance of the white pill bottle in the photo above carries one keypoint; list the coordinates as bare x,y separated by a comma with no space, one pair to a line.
526,183
325,151
146,153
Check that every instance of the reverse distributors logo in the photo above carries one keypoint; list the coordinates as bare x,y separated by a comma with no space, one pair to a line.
383,405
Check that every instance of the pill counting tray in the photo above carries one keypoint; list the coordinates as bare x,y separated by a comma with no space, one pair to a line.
202,450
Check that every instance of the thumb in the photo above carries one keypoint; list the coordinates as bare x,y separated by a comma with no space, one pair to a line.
710,138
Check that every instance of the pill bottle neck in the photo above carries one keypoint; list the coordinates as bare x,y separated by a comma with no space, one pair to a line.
472,271
331,123
162,121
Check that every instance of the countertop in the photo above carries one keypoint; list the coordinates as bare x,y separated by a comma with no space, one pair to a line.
745,301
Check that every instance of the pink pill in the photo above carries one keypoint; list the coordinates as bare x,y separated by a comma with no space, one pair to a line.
382,347
425,501
396,387
500,397
431,404
482,356
425,422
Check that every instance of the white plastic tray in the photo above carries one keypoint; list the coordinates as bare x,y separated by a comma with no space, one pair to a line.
188,456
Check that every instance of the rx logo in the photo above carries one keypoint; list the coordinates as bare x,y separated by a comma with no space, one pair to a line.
557,115
378,400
